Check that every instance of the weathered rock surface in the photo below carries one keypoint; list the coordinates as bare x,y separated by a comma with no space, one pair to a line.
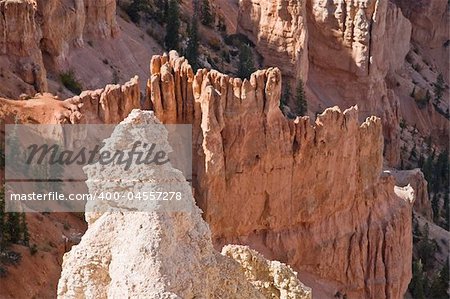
42,39
353,46
311,195
429,19
109,105
356,54
20,57
67,24
160,254
278,29
416,180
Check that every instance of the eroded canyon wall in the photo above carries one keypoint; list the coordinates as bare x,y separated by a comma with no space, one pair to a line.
20,57
351,48
311,195
37,36
159,254
279,31
69,23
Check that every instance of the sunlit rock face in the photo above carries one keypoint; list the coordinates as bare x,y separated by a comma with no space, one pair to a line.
311,195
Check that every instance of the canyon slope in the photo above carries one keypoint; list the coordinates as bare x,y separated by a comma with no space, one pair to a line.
311,195
43,40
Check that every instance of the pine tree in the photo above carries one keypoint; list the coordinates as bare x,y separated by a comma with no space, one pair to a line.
13,228
160,12
286,95
439,88
427,170
246,65
442,171
136,7
193,42
446,211
24,230
172,39
439,285
302,104
435,208
14,150
2,221
417,284
206,16
426,248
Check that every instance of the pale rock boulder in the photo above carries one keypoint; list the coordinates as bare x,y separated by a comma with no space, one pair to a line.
270,277
161,254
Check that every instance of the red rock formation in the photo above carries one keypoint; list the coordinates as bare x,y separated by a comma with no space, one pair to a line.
310,195
109,106
352,47
66,25
37,37
20,57
278,29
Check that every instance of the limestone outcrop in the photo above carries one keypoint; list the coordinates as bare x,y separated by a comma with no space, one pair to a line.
109,105
310,195
161,254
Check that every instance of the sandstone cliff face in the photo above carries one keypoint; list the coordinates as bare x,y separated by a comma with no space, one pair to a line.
104,106
353,46
156,254
68,23
278,29
20,57
356,55
311,195
38,36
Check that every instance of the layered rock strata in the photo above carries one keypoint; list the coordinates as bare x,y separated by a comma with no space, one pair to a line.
160,254
70,23
311,195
